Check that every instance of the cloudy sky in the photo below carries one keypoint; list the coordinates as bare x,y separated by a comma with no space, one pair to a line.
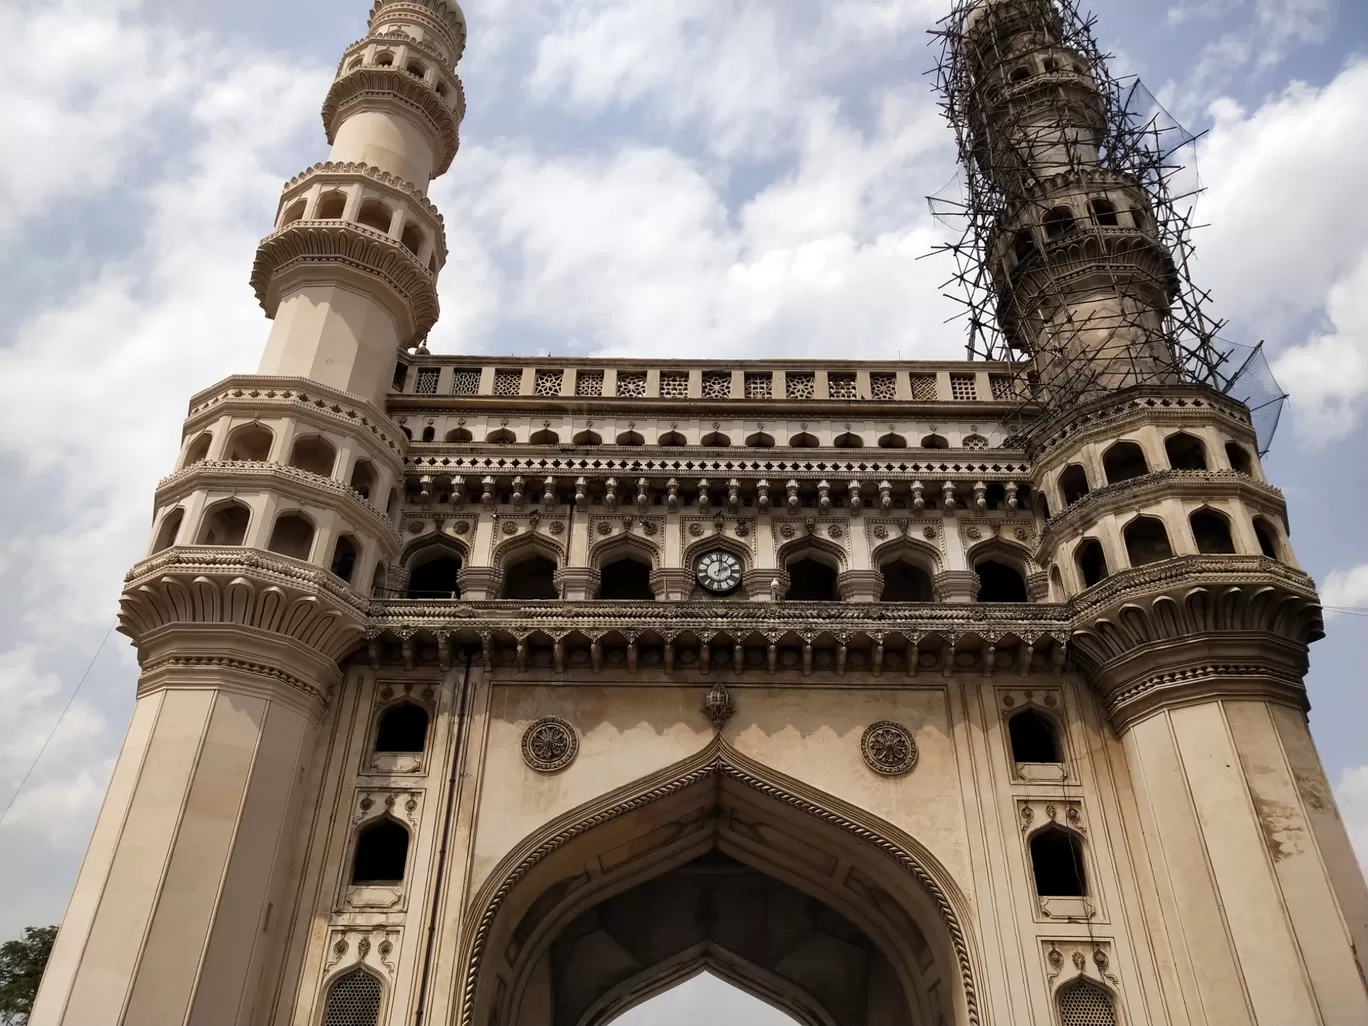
741,177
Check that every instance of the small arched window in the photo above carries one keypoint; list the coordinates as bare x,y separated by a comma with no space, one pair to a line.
1240,460
170,529
1211,532
1268,538
1073,483
1033,737
1042,506
363,478
251,444
760,440
1185,452
379,580
344,558
1057,862
315,454
354,63
811,581
1124,461
402,728
429,433
626,579
353,1000
716,440
226,525
1104,213
293,535
892,440
459,434
381,853
1019,74
904,581
292,213
531,578
501,436
934,442
1023,245
384,59
1059,222
848,440
436,577
1147,541
588,438
331,206
544,437
1092,562
1000,582
804,440
672,438
375,214
392,506
630,438
1084,1003
199,450
416,68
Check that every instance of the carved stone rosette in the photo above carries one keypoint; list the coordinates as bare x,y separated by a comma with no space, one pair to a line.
888,748
549,744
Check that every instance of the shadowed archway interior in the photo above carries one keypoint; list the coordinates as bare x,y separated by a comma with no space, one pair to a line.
716,871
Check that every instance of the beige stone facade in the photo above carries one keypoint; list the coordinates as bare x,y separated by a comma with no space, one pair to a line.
510,692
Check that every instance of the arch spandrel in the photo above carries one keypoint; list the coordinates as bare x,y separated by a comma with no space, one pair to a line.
869,892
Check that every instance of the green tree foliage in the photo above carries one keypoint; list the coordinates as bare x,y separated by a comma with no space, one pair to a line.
21,967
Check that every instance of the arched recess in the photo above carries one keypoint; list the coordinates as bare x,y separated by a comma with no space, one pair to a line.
521,563
994,561
434,565
712,854
720,543
611,551
912,554
813,566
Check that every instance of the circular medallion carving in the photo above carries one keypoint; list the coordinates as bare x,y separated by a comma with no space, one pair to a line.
835,531
549,744
930,532
880,531
648,527
696,529
786,530
888,748
557,527
974,532
604,527
1022,534
510,527
461,527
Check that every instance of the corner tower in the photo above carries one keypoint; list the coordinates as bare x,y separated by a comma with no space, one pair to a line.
267,542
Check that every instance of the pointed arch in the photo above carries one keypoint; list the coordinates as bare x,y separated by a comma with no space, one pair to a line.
606,550
587,437
760,440
527,543
915,550
716,440
804,440
544,437
821,549
901,886
892,440
848,440
355,994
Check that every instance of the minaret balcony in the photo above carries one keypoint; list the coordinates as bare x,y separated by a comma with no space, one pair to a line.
438,24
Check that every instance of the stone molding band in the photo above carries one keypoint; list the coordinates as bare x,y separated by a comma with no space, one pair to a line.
392,86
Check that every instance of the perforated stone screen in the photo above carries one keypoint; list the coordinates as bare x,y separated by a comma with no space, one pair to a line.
1002,387
963,386
674,384
1083,1004
547,382
799,385
354,1000
759,386
841,386
507,382
631,383
465,382
883,385
589,382
924,387
426,383
975,442
717,384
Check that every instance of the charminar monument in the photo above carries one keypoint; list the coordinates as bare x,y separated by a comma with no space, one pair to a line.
512,692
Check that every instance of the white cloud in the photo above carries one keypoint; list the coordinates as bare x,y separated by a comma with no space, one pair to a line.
1351,795
61,811
1346,589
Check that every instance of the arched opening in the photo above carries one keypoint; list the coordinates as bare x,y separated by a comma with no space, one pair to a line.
716,440
1057,862
226,525
363,478
1185,452
1073,483
315,454
199,450
934,442
501,436
1240,460
379,581
1000,582
402,728
381,853
672,438
1092,562
331,206
544,437
1033,737
429,434
1059,222
1104,213
1211,532
293,535
905,581
374,214
169,530
344,557
1124,461
1084,1003
626,579
408,432
630,438
723,875
1023,245
251,444
892,440
760,440
435,574
384,59
1147,541
392,506
1019,74
460,435
1042,506
531,577
1267,535
416,68
848,440
811,581
292,213
588,438
353,1000
804,440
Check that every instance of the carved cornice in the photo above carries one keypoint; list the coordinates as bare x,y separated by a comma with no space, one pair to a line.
173,666
379,85
417,46
342,170
297,248
302,485
447,17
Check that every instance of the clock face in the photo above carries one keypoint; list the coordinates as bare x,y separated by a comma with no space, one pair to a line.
718,571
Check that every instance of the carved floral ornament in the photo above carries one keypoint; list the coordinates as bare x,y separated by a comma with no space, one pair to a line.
888,748
549,744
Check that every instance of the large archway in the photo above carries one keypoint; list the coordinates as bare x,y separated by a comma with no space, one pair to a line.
718,866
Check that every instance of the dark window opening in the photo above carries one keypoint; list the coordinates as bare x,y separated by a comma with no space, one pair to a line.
892,440
588,438
375,215
402,728
1023,245
531,578
934,442
1147,541
1032,734
1020,74
381,853
1092,562
848,441
436,578
199,450
672,438
170,528
811,581
1104,213
1124,461
429,433
716,440
293,535
1211,531
625,579
630,438
400,373
227,525
1268,538
314,454
363,478
1057,859
501,436
1042,506
1239,458
1185,452
344,558
999,582
378,580
804,440
459,435
251,445
1059,222
905,582
760,440
995,495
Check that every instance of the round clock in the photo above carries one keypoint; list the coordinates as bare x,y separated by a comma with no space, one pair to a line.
718,571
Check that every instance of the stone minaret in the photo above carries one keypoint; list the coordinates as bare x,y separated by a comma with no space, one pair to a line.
267,541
